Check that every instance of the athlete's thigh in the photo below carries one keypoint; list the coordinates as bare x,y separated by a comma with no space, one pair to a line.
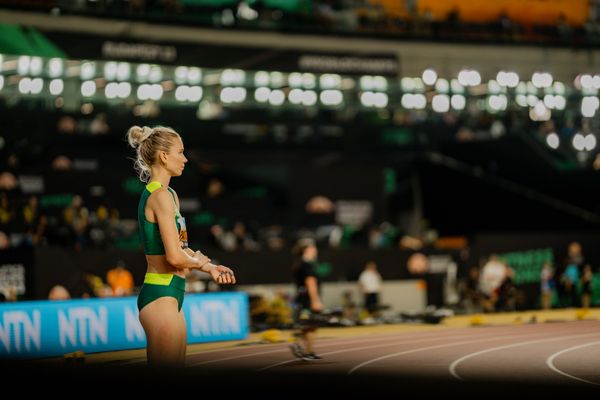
160,315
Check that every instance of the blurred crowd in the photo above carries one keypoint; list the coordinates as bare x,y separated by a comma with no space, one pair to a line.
380,17
566,283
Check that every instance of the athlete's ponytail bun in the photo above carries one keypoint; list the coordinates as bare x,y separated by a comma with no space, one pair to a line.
137,135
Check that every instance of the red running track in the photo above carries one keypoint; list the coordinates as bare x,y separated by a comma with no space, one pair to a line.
552,358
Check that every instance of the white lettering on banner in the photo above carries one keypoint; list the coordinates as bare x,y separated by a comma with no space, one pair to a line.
133,329
86,322
142,51
348,64
32,330
215,318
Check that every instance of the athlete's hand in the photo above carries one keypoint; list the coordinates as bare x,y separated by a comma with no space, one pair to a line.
316,305
201,258
222,275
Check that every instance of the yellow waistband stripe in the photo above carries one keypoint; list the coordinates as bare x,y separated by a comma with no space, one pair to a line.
158,279
152,186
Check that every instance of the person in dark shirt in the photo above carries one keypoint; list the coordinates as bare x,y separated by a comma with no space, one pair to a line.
307,301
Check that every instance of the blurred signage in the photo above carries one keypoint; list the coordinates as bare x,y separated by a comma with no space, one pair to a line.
206,55
527,12
32,329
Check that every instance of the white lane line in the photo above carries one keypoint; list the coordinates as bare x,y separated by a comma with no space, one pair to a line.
338,343
455,364
428,348
367,347
550,362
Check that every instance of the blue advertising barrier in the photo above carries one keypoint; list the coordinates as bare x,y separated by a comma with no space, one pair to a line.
33,329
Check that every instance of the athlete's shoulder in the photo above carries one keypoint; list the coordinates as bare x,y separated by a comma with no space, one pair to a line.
161,196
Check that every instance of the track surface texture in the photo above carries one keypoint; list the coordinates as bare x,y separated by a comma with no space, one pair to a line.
511,354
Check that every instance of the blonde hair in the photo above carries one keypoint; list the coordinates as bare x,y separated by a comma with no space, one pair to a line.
148,142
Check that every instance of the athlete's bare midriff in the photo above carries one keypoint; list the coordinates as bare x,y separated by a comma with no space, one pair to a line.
158,264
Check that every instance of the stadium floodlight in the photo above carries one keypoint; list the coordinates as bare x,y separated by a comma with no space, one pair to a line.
330,81
192,94
233,77
155,74
143,72
261,78
458,102
442,86
540,112
88,88
494,87
295,96
276,78
195,94
508,79
295,79
429,76
590,142
532,100
380,83
560,102
596,82
143,92
25,85
88,70
331,97
182,93
549,101
309,98
276,97
261,94
521,100
23,65
35,66
111,90
407,84
156,92
589,105
469,77
309,81
541,79
586,81
110,71
55,67
181,75
194,76
374,99
123,71
366,82
36,86
497,102
418,85
124,90
440,103
553,140
579,142
1,81
233,95
559,88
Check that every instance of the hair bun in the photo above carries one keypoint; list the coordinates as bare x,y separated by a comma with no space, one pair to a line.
136,135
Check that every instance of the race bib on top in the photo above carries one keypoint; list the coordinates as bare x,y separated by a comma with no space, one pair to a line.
183,237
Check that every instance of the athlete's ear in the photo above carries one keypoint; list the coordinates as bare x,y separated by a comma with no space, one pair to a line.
163,156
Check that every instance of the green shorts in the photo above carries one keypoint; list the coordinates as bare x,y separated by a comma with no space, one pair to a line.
161,285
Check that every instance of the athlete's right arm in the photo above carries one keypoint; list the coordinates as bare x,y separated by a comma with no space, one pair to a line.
161,203
313,293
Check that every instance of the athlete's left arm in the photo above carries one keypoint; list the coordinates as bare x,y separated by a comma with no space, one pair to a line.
219,273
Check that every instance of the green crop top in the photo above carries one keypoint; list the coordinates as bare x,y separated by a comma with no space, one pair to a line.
149,231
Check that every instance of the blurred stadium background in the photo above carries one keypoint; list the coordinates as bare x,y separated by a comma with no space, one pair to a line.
426,136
